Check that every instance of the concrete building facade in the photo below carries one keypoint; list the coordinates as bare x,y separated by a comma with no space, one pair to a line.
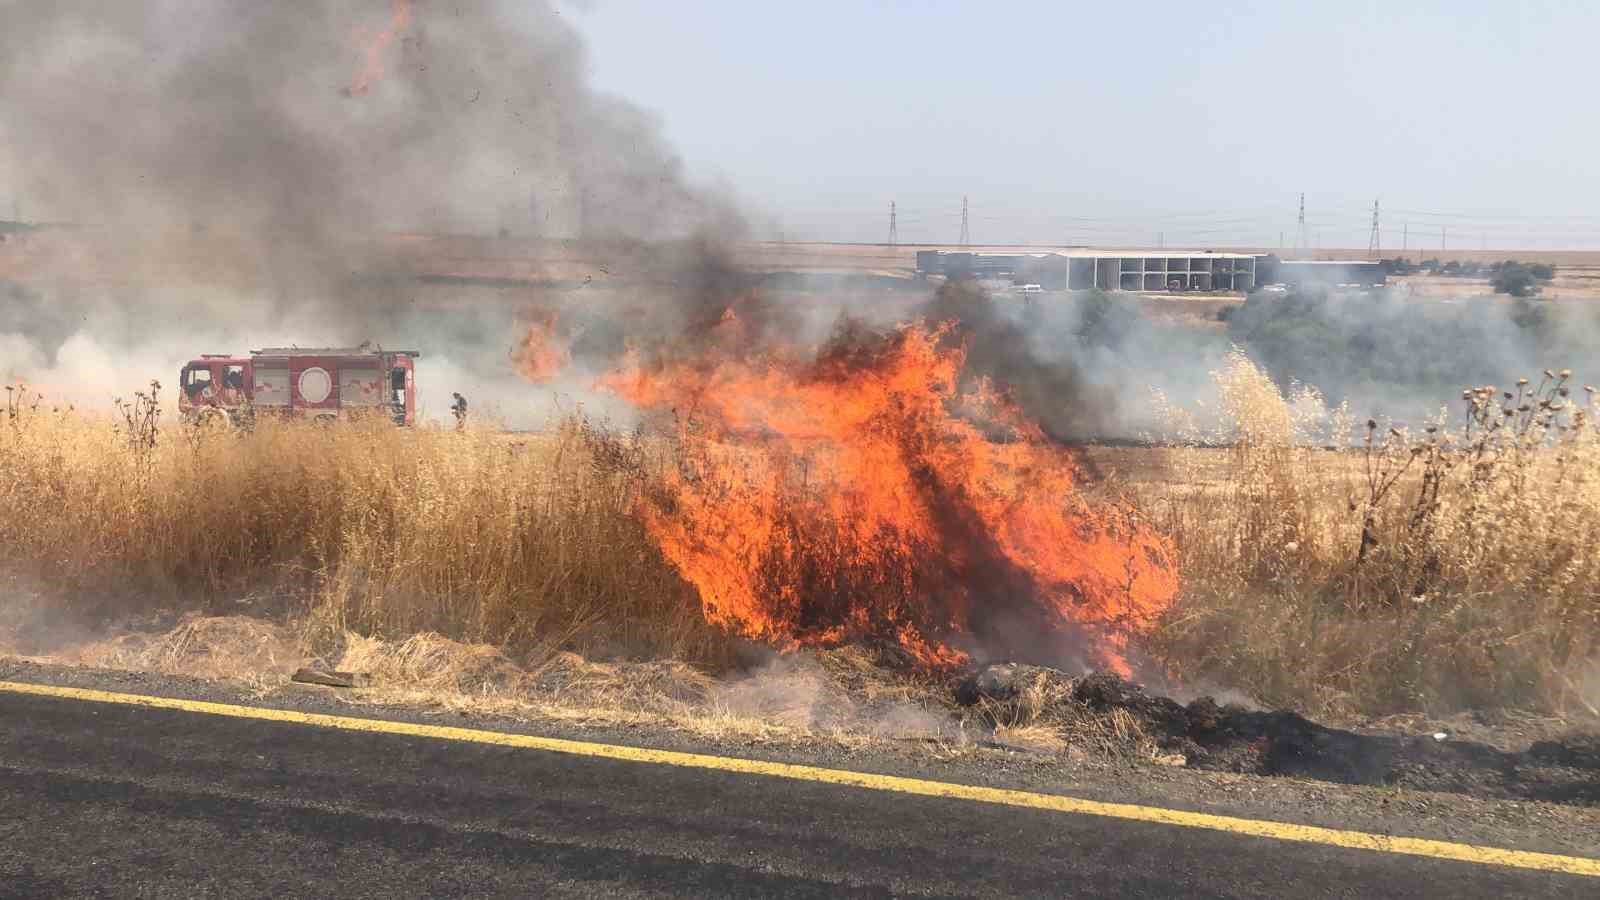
1108,270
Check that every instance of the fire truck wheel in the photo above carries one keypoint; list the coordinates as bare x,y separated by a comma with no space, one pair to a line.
208,417
326,419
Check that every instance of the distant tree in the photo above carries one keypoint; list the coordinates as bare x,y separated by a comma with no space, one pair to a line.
1520,280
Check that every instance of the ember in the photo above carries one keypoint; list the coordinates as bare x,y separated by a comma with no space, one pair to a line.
862,495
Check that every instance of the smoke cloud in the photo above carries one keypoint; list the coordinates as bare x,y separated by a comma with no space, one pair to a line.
1392,355
1084,364
233,172
227,174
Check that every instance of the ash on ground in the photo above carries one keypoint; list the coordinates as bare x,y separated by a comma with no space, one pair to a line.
1231,738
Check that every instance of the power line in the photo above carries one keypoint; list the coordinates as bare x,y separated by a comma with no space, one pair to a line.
1491,216
1222,225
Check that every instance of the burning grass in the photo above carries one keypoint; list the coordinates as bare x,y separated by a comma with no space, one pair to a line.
795,506
815,502
863,494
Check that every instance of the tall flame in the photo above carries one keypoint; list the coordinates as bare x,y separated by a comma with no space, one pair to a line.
862,494
543,351
376,47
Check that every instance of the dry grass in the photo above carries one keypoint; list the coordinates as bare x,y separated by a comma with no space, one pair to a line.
834,695
1417,573
462,570
363,528
431,670
1452,568
236,648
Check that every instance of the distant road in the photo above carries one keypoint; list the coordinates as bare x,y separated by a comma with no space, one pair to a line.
120,800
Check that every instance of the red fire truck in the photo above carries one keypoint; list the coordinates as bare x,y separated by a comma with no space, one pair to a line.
325,383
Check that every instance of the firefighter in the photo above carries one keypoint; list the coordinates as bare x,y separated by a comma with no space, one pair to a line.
459,409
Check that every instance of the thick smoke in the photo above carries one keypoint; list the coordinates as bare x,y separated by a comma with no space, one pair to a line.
230,173
1084,364
236,172
1389,354
1044,377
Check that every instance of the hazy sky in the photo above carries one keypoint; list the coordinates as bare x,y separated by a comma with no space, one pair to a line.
1113,122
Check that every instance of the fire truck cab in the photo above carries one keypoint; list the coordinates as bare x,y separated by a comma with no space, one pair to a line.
325,383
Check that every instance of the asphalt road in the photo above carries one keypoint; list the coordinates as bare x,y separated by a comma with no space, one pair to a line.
119,801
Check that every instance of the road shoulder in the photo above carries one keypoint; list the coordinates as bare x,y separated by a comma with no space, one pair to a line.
1516,825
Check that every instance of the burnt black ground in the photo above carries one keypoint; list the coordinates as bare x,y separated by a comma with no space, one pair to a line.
99,800
1282,743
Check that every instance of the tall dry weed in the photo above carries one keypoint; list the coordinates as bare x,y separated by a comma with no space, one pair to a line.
528,543
1375,569
1263,461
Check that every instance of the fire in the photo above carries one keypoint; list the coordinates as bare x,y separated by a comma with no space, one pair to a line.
861,494
377,46
543,351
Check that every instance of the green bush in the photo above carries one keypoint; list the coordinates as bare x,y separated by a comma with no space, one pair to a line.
1519,279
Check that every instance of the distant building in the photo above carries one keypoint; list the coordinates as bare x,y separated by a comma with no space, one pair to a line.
1108,270
1303,272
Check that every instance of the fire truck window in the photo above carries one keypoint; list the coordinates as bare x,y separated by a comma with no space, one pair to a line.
397,383
196,381
233,377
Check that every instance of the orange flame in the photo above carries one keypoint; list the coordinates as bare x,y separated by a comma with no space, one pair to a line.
862,495
543,351
376,47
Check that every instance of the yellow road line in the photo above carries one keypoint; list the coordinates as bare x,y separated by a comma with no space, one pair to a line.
1358,840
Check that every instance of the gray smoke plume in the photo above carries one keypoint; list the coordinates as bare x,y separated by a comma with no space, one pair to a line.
1052,387
1388,354
228,173
268,119
1084,364
247,172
